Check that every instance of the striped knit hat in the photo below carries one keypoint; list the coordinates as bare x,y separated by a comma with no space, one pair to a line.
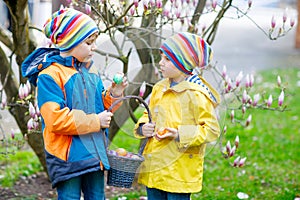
68,27
187,51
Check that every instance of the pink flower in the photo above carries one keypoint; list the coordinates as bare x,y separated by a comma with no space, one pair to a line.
237,141
214,4
30,124
159,4
278,81
242,162
232,115
244,109
228,147
249,119
284,16
244,97
12,134
247,83
236,161
32,112
256,99
136,3
273,22
238,79
142,89
269,101
224,72
232,152
249,3
88,9
132,11
292,22
281,98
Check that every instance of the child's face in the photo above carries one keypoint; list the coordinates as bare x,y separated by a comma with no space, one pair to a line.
169,70
84,51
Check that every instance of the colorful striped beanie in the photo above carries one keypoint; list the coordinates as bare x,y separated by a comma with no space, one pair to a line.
68,27
187,51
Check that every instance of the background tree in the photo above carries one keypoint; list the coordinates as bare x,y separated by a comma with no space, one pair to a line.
141,24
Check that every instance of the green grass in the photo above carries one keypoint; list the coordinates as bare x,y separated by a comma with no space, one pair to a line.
271,144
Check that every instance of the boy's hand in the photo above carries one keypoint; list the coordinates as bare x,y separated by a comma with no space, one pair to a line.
118,89
170,133
105,118
148,129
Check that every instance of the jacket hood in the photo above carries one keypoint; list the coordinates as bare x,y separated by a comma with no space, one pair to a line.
40,59
198,83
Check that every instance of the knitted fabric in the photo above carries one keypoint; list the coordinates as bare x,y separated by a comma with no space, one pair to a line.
187,51
68,27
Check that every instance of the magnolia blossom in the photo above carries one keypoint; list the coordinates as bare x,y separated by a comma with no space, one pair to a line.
242,162
228,147
88,9
214,4
244,97
132,11
281,98
269,101
232,115
142,89
292,22
244,109
237,141
12,134
249,3
236,161
273,22
251,80
278,81
284,16
238,79
224,71
32,111
249,119
159,4
136,3
256,99
232,152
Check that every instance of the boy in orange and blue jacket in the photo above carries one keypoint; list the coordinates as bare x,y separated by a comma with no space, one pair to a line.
73,102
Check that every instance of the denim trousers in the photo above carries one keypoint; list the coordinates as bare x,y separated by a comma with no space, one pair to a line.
156,194
91,185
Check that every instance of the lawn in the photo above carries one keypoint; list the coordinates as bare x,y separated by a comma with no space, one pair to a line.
271,144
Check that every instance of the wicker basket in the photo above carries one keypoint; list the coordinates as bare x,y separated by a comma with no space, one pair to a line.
123,169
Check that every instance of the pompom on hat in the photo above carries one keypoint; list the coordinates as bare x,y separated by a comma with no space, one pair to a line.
187,51
68,27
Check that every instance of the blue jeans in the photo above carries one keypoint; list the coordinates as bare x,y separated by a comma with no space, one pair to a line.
90,184
156,194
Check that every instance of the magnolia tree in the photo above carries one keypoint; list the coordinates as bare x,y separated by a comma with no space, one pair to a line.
135,29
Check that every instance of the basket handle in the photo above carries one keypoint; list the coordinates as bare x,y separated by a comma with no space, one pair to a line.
141,100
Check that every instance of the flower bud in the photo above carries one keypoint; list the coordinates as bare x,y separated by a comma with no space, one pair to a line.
159,4
281,98
32,112
292,22
232,115
232,152
30,124
244,97
284,16
238,79
247,83
242,162
136,3
244,109
269,101
214,4
236,161
12,134
224,72
142,89
251,80
228,147
88,9
249,119
256,99
278,81
273,22
132,11
249,3
237,141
